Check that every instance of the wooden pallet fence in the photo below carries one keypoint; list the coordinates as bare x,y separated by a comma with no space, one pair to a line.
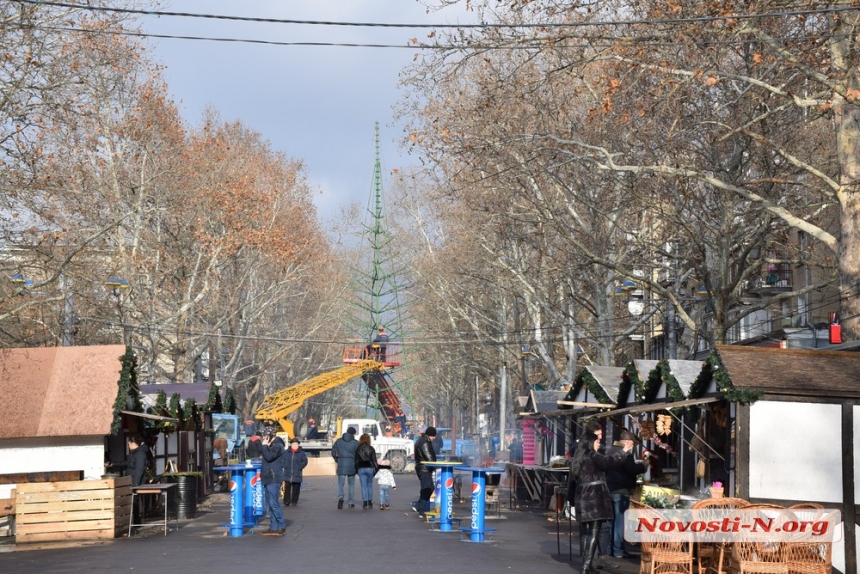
77,510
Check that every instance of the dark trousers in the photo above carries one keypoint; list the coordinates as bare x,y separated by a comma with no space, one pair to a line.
427,488
291,492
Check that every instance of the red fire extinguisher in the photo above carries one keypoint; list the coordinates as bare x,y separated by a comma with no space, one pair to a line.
835,329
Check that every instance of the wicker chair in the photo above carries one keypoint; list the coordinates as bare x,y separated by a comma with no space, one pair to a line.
715,555
809,557
670,555
645,547
759,557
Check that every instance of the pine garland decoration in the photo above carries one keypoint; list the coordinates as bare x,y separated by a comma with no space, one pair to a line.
213,396
630,377
127,388
714,368
229,402
594,387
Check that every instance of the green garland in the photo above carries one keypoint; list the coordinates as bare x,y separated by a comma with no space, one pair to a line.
192,418
574,388
213,399
127,388
714,369
161,410
630,377
592,385
176,408
652,385
673,387
229,402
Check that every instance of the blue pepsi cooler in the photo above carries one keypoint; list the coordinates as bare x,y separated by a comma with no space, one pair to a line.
259,494
479,487
446,500
252,471
236,505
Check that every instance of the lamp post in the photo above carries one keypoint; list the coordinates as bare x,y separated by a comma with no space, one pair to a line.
118,285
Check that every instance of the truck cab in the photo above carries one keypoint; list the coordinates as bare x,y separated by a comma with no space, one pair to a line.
228,427
467,450
396,449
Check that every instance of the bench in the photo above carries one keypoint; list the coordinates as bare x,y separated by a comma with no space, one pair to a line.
467,531
434,520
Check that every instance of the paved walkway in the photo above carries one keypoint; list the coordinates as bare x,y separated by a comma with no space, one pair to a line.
322,539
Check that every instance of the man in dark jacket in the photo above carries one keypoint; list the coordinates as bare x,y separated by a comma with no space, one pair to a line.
621,481
272,474
343,451
255,446
424,453
138,453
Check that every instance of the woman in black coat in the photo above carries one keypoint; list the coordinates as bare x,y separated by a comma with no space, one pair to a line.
593,504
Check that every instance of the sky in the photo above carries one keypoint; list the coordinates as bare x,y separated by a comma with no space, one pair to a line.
316,104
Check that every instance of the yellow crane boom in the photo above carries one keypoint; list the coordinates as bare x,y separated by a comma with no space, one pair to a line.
279,405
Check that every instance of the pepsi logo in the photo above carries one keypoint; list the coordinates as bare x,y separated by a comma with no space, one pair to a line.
234,486
476,488
255,479
449,482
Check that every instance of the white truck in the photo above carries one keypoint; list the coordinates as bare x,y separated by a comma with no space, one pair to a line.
396,449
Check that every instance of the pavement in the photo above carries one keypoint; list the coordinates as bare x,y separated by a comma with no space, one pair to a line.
321,538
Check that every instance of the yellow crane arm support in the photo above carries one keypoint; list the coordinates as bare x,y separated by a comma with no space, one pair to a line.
279,405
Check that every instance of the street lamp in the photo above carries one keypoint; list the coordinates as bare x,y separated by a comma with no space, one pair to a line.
119,285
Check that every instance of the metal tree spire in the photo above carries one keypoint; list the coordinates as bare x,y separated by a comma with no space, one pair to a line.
378,291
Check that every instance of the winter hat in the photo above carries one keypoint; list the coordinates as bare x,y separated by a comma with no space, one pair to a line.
430,431
627,435
294,440
385,462
351,430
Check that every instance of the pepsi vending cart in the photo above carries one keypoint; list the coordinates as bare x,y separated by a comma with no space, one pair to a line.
237,522
253,499
445,491
476,530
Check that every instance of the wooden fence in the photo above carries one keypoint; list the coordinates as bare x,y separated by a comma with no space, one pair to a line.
76,510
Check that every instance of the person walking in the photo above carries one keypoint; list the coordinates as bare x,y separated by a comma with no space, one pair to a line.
424,453
385,479
295,460
365,466
593,504
621,481
272,474
343,451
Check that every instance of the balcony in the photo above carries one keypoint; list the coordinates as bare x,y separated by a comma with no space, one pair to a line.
774,279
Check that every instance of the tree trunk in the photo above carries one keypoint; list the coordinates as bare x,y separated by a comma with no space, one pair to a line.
847,125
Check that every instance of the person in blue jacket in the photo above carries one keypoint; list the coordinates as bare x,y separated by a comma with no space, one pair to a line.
295,459
272,474
343,451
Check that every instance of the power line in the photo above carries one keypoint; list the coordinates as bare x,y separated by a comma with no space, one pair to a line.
696,19
536,45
